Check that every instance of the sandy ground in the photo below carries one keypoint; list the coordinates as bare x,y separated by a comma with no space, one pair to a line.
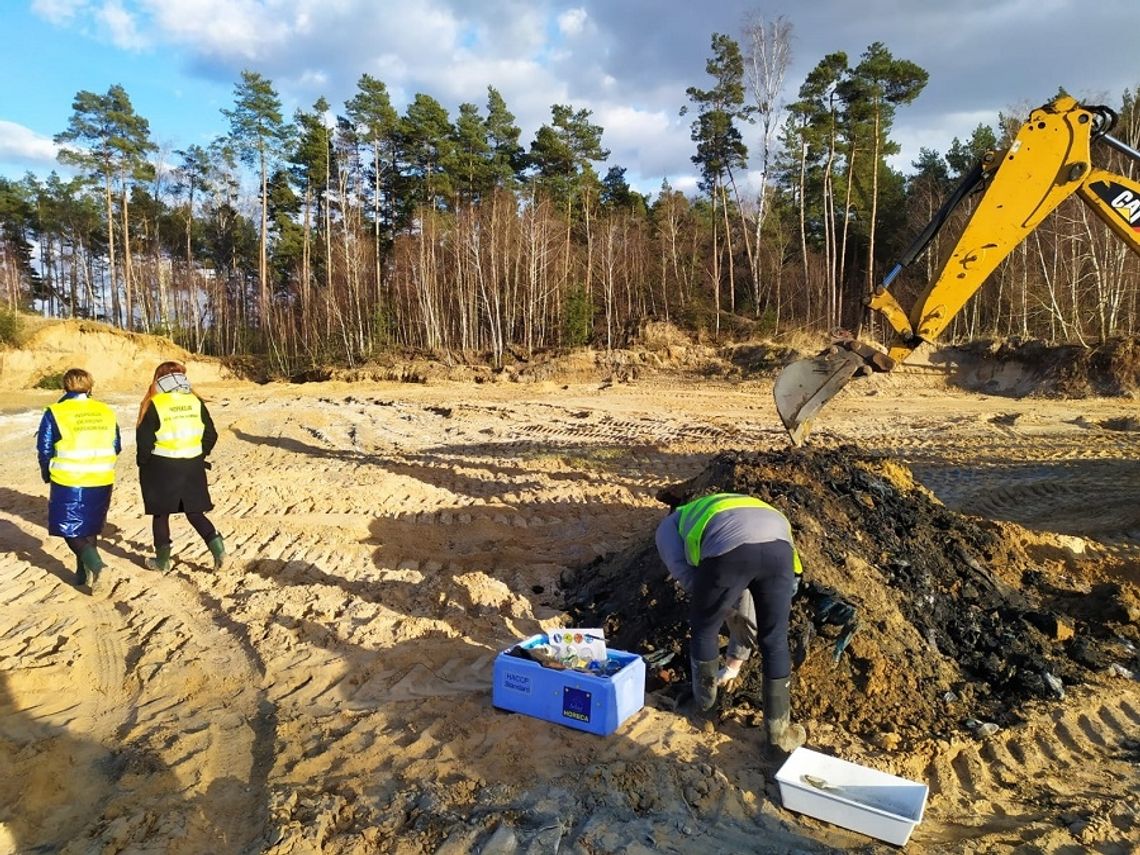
329,690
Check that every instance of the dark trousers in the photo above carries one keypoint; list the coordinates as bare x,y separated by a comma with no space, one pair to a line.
766,570
78,544
160,527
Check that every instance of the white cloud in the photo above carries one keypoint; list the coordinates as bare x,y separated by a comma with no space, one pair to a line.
629,63
240,29
938,132
689,185
19,144
121,26
627,130
521,33
313,78
650,145
58,11
629,124
572,22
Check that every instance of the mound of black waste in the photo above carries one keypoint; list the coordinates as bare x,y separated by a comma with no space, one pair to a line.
953,622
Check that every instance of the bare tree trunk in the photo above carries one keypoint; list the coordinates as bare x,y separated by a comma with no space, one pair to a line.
377,272
803,211
1049,277
263,251
607,261
846,227
308,330
128,272
830,241
715,261
768,57
1025,290
870,282
728,250
111,251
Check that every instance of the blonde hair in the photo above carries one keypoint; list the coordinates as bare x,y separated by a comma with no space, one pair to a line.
163,369
78,380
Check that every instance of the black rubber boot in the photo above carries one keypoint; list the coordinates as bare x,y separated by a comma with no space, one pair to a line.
93,564
161,561
704,683
782,737
218,550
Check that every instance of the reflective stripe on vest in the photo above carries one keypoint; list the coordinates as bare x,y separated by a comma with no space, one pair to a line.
84,454
693,519
180,426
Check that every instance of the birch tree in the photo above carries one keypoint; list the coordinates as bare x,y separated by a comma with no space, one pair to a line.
768,53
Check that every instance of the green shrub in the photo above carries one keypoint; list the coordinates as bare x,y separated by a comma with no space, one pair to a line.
10,327
51,381
579,318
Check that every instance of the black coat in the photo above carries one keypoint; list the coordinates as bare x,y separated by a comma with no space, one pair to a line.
173,485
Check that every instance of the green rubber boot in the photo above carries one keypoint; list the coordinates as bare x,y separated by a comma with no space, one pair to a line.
80,573
161,561
93,565
218,550
781,734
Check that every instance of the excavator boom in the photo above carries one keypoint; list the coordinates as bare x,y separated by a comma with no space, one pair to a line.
1048,161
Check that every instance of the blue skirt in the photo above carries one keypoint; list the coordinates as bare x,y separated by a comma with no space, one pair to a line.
77,511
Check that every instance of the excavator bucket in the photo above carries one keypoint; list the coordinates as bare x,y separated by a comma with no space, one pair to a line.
803,387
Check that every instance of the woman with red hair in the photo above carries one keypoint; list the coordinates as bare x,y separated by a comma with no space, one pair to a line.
175,435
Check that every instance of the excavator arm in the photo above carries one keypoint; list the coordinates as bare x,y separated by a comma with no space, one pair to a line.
1048,161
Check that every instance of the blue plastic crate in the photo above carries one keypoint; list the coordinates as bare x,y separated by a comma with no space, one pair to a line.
573,698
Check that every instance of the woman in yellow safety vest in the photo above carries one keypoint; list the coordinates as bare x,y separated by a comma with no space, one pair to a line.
721,548
174,436
78,444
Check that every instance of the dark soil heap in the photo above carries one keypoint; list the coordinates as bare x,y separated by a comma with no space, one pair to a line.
956,624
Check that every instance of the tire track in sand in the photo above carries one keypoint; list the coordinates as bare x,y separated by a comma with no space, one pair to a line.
1098,500
1076,757
161,701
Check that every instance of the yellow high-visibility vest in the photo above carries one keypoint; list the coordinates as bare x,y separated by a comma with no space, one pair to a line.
84,454
694,517
180,426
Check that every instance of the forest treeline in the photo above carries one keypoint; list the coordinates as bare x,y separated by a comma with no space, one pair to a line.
365,230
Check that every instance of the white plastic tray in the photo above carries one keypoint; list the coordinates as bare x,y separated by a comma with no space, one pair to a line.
866,800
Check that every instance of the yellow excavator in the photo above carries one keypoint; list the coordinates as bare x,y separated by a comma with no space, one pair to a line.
1049,160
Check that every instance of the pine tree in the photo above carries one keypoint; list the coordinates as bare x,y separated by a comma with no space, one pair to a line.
874,88
106,139
259,136
312,171
720,145
427,146
470,164
508,159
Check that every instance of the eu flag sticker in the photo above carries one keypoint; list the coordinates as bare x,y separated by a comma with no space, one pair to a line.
575,704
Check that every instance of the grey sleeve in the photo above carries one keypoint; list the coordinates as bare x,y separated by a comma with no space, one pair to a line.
672,551
742,628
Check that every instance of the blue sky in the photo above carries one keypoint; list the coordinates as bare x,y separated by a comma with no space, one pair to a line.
52,63
628,61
